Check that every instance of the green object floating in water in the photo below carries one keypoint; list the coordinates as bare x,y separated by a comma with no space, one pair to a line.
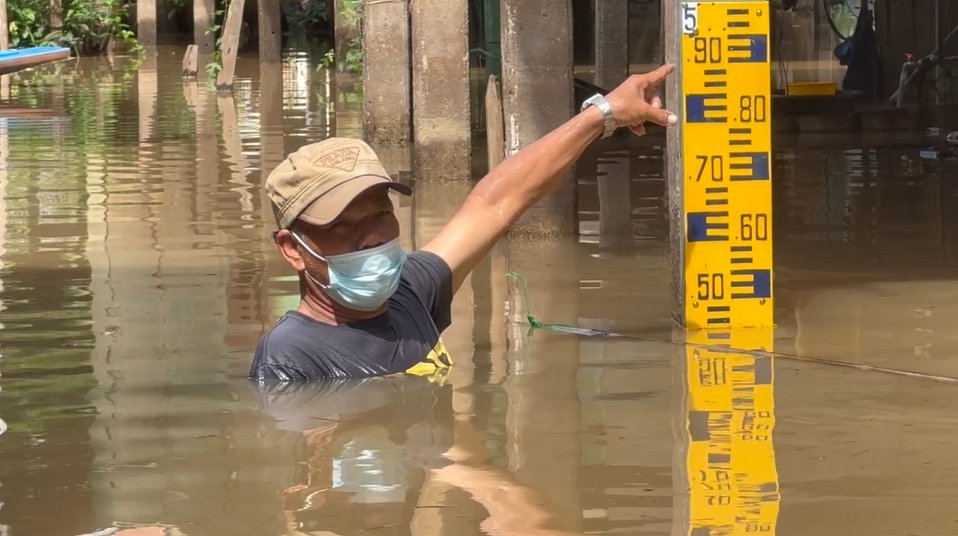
534,323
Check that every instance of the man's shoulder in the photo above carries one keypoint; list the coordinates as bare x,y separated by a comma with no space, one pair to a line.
428,277
420,261
292,349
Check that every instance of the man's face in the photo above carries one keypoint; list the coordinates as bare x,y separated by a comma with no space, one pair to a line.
369,221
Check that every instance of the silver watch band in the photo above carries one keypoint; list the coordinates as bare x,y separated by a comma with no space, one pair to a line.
608,117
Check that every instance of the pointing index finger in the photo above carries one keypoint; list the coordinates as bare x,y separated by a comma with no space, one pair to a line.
660,74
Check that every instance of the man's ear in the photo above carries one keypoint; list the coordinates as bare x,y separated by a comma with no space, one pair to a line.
289,248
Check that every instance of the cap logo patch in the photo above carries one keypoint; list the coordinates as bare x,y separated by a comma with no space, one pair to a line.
344,159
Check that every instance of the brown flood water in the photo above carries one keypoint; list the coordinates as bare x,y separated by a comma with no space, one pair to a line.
136,275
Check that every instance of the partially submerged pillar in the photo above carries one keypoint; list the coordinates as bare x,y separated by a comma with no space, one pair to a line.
537,90
4,26
611,43
386,73
719,164
229,45
146,22
270,32
615,198
440,83
190,65
495,132
204,12
270,117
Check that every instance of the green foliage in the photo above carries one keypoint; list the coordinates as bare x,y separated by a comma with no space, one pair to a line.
353,57
305,15
89,26
215,64
353,13
328,61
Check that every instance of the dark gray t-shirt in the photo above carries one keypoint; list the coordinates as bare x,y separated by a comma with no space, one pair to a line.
406,338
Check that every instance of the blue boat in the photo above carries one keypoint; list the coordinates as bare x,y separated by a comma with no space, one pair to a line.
18,59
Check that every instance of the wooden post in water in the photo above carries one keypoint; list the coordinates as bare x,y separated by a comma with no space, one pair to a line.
4,44
4,26
229,46
272,149
495,132
146,22
537,91
204,12
190,61
270,32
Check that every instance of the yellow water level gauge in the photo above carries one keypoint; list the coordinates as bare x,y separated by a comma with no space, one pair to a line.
726,164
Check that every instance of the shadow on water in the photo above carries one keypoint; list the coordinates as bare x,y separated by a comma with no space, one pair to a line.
137,276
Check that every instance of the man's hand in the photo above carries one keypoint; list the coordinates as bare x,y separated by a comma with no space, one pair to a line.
637,100
525,178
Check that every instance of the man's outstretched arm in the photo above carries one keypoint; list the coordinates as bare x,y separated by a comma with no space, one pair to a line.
519,182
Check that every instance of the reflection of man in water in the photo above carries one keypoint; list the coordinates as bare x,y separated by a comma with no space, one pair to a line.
369,444
381,456
367,308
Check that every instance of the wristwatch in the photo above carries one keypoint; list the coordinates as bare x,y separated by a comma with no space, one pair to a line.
608,118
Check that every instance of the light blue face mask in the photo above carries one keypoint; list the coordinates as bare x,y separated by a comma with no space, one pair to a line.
362,280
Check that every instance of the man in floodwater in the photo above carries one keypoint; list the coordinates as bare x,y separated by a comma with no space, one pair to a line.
368,308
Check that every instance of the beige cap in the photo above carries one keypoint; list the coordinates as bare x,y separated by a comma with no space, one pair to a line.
319,180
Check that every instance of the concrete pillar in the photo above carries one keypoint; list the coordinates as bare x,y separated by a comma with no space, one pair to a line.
386,73
203,19
537,93
346,31
270,30
615,199
440,83
146,22
397,162
611,43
